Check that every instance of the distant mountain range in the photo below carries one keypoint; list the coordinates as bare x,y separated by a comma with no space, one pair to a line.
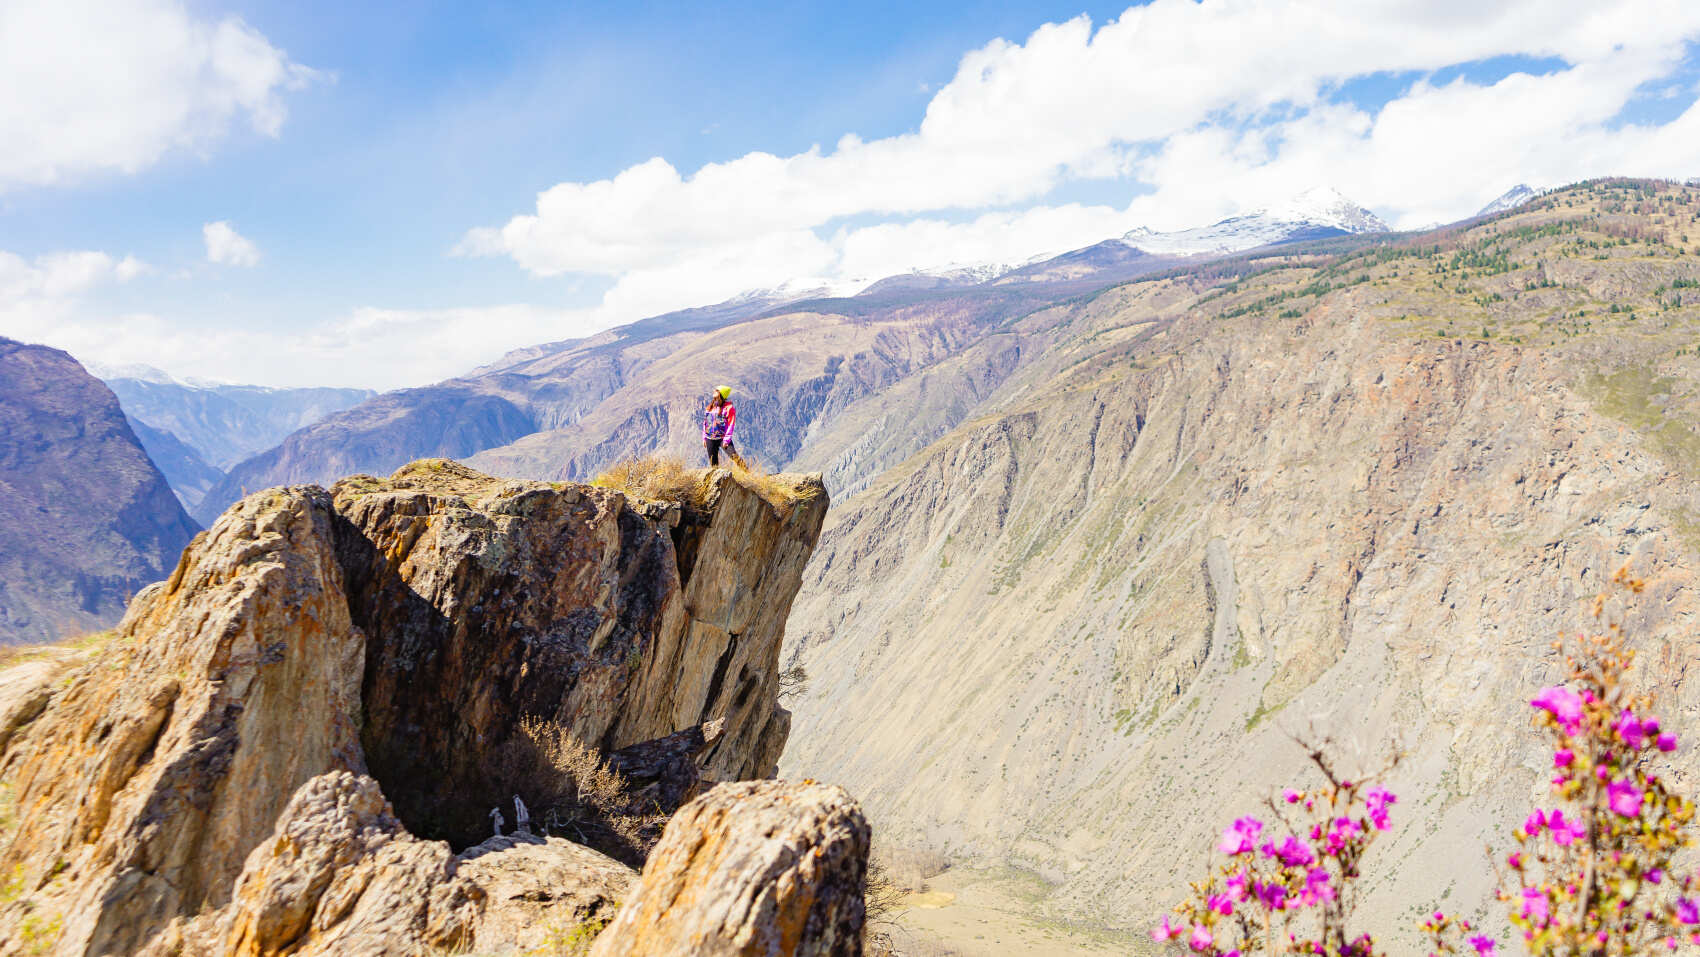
568,409
195,430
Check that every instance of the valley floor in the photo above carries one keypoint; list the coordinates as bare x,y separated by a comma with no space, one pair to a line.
976,913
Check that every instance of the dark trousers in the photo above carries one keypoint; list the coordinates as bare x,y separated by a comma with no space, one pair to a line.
713,451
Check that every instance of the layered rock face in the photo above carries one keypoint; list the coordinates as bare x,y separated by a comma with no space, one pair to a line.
86,520
1080,631
277,736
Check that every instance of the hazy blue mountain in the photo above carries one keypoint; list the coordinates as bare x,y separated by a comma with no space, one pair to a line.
86,519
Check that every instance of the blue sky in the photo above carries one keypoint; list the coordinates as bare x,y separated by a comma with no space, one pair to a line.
383,162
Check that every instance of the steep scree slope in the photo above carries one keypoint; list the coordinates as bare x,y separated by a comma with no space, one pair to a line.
86,520
1352,494
233,750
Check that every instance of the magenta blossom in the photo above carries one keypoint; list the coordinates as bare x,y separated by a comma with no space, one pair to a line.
1292,796
1291,852
1273,895
1164,930
1376,801
1565,832
1236,884
1562,758
1563,704
1625,797
1200,939
1633,732
1317,889
1344,830
1536,821
1667,742
1687,911
1242,837
1535,907
1483,945
1221,904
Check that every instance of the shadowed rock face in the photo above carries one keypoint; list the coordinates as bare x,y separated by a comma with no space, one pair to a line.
234,750
86,520
486,602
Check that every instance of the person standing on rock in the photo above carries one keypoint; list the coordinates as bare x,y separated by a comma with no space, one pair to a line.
718,422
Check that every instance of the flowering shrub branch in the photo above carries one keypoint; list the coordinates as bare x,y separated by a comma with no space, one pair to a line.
1593,874
1287,885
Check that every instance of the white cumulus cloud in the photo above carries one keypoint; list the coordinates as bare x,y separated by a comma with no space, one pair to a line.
97,86
1199,109
227,247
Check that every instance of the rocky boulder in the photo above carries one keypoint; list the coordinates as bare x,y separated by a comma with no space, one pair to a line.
752,868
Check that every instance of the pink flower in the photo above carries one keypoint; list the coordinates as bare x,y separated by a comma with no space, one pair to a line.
1562,758
1536,821
1273,895
1515,859
1687,911
1667,742
1293,796
1535,908
1631,730
1655,875
1292,852
1625,797
1376,801
1221,904
1164,931
1317,889
1483,945
1200,939
1344,830
1236,884
1563,704
1564,832
1241,837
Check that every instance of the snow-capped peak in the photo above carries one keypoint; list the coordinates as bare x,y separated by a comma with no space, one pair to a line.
1510,199
1326,206
1313,214
131,370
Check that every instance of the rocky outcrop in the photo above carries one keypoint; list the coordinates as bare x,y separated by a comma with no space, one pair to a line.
748,869
86,520
284,746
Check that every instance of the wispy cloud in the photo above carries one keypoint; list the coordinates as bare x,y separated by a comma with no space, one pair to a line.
227,247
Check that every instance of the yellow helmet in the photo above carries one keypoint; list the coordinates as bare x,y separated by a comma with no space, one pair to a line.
725,391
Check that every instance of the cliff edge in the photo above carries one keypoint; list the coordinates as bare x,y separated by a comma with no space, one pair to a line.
294,744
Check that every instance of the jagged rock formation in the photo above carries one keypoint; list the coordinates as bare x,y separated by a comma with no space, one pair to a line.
86,520
748,869
1362,489
218,777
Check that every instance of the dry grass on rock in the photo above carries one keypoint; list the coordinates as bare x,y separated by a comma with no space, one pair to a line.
666,478
660,478
572,792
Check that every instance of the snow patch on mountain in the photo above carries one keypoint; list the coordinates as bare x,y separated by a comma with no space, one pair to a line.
1510,199
1315,213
